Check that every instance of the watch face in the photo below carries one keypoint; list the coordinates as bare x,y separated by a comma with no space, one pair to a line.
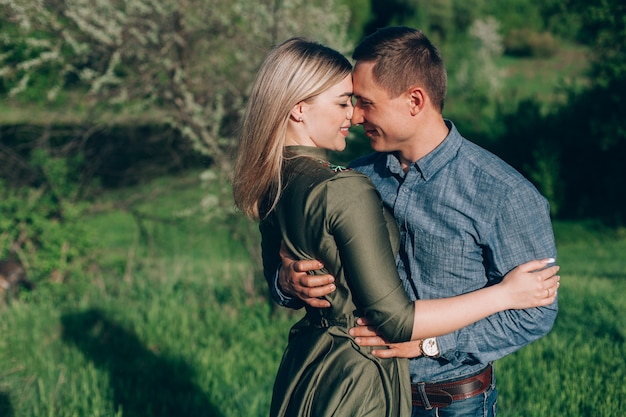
429,346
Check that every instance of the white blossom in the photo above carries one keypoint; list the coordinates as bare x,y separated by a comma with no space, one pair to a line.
195,58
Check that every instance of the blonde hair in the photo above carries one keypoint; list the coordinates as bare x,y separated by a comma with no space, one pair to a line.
294,71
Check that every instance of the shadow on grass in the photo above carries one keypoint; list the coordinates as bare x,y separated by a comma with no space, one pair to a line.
144,384
6,409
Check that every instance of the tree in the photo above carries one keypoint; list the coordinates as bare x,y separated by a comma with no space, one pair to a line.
604,29
186,64
575,153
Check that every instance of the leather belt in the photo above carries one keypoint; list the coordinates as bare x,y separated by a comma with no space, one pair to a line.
441,394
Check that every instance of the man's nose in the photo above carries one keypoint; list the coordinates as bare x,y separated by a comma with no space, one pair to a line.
357,116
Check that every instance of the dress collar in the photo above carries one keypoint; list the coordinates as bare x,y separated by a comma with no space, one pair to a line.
311,151
318,154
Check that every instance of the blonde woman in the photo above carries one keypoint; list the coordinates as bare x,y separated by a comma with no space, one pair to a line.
299,108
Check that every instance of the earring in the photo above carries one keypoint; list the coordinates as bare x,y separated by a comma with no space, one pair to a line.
300,119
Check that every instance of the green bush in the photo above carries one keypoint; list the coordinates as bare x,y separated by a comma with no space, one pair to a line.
528,43
41,223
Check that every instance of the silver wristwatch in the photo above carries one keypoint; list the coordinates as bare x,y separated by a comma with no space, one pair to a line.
429,347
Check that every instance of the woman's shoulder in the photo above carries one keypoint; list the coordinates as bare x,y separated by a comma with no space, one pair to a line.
334,175
347,183
311,175
318,170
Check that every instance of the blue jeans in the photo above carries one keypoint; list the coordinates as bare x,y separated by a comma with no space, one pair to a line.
481,405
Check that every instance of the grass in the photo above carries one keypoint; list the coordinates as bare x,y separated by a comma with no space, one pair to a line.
544,79
169,324
578,369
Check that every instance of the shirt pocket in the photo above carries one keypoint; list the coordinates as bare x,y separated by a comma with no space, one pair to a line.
448,266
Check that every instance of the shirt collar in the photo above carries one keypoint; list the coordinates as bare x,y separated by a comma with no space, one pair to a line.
430,164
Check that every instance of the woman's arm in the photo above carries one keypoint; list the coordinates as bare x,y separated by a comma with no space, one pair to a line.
529,285
362,236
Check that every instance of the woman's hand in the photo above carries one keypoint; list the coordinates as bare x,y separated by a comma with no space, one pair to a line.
365,335
531,285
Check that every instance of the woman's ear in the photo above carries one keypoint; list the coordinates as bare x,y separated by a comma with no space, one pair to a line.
297,112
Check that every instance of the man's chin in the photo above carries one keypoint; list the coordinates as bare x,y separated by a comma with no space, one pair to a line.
377,145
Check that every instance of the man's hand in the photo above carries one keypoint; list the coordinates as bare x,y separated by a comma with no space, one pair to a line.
294,280
365,335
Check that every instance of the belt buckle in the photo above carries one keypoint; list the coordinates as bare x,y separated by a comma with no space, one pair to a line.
440,395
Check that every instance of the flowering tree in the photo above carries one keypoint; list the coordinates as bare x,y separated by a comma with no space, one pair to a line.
185,62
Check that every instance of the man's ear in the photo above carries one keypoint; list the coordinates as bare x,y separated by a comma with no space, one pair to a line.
417,99
297,112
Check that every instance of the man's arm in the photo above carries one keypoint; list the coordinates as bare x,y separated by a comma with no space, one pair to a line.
521,231
437,317
519,237
290,285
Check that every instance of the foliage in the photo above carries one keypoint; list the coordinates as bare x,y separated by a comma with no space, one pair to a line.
360,15
442,20
575,152
488,47
556,17
604,28
188,64
41,224
560,19
193,59
525,42
475,80
518,14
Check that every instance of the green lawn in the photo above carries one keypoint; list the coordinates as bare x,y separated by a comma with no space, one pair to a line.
579,368
544,79
172,323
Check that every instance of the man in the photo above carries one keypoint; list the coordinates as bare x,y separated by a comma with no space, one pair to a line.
466,218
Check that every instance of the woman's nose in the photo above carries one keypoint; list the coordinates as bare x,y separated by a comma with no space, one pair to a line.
350,112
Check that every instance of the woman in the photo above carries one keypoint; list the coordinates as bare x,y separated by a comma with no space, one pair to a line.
300,107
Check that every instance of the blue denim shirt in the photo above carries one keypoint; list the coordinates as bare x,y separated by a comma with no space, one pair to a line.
466,218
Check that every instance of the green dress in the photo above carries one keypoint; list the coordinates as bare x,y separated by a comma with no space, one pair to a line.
336,215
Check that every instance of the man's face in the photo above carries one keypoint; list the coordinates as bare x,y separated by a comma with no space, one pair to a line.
383,118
